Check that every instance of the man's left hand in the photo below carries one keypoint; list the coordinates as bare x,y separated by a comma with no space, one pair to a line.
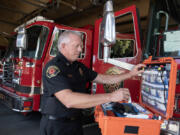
138,69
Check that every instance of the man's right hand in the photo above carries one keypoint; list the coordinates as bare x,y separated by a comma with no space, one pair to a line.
121,94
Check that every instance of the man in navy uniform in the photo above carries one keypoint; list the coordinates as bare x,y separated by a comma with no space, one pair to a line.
64,85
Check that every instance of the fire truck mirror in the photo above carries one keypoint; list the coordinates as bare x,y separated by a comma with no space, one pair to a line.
108,32
21,38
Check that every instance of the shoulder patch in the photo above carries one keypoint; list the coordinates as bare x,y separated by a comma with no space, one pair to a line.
52,71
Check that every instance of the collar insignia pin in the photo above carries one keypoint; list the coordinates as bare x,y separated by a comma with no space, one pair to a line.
69,75
81,71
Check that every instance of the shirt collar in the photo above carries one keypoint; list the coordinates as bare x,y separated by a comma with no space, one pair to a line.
63,58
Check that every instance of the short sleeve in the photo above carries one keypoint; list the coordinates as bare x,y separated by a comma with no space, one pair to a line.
89,73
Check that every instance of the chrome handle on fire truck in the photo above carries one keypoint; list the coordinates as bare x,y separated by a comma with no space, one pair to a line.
167,19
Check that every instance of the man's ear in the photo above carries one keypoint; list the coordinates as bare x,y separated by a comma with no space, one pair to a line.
63,45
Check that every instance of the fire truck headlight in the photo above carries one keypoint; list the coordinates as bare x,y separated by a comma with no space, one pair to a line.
16,80
171,127
1,76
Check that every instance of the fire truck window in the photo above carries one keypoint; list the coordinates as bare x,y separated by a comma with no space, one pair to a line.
54,49
122,48
36,39
125,38
41,42
82,54
168,44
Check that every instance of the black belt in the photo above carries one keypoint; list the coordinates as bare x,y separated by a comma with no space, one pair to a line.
51,117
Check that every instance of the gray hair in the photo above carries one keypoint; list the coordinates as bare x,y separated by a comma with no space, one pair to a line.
65,38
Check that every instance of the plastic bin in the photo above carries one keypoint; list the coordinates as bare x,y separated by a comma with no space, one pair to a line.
111,125
164,84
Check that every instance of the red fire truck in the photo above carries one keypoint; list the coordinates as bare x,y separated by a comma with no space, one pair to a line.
21,69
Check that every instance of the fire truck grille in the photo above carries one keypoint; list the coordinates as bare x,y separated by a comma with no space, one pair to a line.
8,69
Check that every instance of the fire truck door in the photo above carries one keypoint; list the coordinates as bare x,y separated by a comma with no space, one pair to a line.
126,49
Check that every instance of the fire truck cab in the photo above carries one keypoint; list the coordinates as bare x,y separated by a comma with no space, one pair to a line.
21,69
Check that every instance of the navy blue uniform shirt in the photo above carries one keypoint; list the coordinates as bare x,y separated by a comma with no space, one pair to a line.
60,74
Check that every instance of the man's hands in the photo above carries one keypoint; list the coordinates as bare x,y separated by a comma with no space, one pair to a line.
122,94
138,69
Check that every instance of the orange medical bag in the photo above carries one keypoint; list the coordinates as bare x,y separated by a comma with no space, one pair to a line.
158,83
